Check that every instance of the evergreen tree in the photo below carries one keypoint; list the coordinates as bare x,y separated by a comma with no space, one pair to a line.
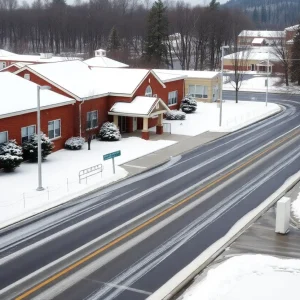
157,33
114,43
295,62
255,15
213,5
264,14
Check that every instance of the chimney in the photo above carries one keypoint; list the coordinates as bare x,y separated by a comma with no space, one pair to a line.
46,55
100,53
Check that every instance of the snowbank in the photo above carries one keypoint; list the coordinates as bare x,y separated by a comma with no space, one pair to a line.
296,207
249,277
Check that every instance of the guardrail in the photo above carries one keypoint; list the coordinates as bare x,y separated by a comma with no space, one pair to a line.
85,173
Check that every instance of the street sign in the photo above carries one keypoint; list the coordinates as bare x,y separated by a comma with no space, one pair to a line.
111,155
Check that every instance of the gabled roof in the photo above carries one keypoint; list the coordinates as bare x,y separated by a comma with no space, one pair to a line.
19,96
292,28
5,53
104,62
83,82
18,65
255,53
141,106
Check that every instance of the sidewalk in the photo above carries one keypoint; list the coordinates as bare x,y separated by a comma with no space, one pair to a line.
184,144
258,254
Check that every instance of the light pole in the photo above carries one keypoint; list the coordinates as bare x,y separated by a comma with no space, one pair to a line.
267,81
45,87
221,92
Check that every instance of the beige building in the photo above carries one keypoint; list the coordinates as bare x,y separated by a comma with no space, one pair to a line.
204,86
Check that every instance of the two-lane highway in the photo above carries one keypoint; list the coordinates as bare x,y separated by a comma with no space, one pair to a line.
127,240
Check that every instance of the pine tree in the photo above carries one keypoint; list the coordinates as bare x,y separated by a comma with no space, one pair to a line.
264,14
295,62
213,5
157,33
255,15
114,43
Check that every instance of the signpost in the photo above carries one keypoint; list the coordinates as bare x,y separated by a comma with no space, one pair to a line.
112,156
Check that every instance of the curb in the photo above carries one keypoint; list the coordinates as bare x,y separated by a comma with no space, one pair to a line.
41,214
170,289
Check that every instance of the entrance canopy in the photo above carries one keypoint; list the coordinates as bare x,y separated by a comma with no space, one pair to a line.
141,106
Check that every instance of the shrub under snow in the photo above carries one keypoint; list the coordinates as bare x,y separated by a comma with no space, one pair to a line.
10,156
74,143
175,115
109,132
188,105
30,147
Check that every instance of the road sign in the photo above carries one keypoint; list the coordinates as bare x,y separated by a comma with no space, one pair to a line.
111,155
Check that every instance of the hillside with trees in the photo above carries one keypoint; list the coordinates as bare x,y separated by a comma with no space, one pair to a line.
269,14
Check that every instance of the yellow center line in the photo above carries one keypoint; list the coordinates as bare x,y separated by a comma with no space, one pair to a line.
153,219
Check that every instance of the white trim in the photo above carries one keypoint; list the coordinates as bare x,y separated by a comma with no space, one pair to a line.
55,137
7,139
27,111
149,91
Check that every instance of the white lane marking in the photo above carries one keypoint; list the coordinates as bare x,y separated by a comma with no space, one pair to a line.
74,278
243,135
119,286
132,166
138,196
10,240
156,256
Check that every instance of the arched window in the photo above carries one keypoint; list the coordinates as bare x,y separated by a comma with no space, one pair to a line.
148,92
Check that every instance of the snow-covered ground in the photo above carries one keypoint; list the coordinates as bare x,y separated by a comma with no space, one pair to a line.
234,116
249,277
256,82
19,197
296,207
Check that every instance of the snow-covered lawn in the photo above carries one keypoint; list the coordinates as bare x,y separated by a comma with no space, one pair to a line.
256,83
249,277
60,176
234,116
296,207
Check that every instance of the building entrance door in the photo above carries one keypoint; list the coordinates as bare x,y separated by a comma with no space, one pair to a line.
134,124
122,124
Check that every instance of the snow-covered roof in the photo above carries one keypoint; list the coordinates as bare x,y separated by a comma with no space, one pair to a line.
18,65
166,76
5,55
83,82
261,33
104,62
290,42
19,96
258,41
187,73
141,105
292,28
256,53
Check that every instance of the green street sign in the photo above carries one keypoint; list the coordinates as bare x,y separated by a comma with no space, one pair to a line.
111,155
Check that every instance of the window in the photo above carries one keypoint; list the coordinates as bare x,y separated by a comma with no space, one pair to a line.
54,129
172,98
27,132
27,76
3,137
198,91
2,65
148,92
92,119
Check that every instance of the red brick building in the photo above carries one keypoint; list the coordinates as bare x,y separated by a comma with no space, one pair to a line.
18,106
96,90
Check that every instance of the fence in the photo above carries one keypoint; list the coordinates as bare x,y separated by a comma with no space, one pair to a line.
85,173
